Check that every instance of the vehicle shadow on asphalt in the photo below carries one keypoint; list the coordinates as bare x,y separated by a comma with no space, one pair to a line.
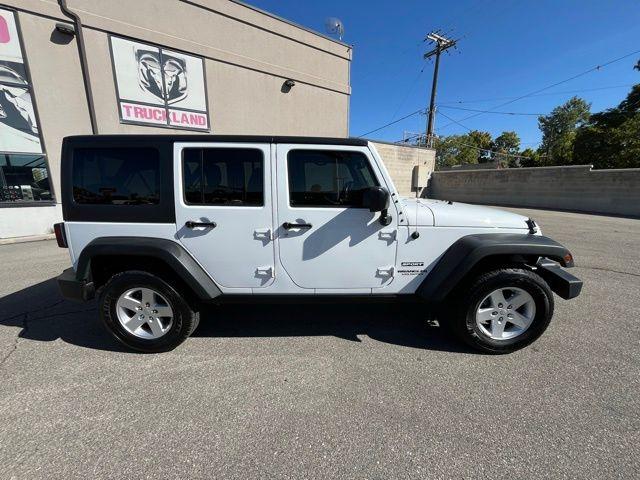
398,324
43,315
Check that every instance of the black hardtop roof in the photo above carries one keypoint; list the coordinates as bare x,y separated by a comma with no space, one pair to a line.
129,138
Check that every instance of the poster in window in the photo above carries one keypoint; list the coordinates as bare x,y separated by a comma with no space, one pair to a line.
19,131
157,86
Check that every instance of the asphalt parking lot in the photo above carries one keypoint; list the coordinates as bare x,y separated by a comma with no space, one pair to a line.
328,392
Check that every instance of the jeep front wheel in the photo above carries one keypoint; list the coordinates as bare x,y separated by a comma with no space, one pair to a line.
502,310
145,313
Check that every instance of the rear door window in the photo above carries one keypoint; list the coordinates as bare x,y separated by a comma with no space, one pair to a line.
116,176
223,177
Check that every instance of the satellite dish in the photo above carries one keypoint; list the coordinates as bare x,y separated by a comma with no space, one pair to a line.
334,26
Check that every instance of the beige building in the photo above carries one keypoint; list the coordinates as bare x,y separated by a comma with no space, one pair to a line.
214,66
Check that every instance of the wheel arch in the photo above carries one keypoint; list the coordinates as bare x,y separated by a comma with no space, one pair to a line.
106,256
481,252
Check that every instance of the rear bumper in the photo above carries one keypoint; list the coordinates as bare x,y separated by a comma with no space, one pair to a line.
561,282
74,289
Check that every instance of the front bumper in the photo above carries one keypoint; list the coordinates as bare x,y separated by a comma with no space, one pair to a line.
561,282
74,289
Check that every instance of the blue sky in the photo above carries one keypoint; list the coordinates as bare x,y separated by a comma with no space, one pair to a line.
506,49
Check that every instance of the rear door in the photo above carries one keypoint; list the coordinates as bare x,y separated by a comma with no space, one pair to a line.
224,210
326,240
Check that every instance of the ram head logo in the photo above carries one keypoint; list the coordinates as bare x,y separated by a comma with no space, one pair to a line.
162,75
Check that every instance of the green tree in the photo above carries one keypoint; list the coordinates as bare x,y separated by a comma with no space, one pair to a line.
611,139
505,146
529,158
559,130
480,139
470,148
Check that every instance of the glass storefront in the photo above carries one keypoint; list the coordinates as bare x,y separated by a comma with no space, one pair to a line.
24,178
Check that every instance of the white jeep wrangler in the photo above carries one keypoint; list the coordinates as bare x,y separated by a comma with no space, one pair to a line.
160,225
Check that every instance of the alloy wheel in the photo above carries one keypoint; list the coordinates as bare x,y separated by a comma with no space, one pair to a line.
506,313
144,313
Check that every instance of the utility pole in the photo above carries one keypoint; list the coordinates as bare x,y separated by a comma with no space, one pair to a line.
442,44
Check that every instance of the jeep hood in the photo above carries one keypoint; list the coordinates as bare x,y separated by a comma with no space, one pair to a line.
440,213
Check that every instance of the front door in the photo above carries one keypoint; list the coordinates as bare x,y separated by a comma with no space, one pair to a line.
224,210
326,239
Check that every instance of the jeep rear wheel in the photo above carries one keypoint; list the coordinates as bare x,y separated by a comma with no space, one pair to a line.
501,311
145,313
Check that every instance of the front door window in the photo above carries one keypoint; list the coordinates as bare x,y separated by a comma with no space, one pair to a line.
328,178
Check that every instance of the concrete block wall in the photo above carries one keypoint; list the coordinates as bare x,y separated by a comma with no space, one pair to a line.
400,161
577,188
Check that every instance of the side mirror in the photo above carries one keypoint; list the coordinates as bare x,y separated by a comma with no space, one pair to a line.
376,199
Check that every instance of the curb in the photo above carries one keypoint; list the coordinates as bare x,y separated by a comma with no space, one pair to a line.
32,238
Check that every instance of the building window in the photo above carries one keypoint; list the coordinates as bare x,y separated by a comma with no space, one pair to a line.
19,132
116,176
223,176
323,178
24,178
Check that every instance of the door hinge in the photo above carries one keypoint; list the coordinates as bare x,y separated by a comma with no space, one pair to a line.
266,271
385,271
389,235
263,234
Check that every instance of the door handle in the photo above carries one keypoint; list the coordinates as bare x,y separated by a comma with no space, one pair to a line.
289,226
192,224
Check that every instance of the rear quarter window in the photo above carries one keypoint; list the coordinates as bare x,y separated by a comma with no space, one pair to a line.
116,176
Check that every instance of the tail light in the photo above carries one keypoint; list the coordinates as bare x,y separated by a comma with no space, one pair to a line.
61,237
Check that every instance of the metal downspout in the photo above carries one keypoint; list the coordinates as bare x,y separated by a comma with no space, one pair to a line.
83,63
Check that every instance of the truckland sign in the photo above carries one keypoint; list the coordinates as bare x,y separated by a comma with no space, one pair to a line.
157,86
19,131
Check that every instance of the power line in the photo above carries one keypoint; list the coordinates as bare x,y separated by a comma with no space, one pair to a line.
538,95
592,69
418,135
488,150
454,120
490,111
410,137
485,150
506,113
413,47
409,92
502,113
448,23
422,110
401,104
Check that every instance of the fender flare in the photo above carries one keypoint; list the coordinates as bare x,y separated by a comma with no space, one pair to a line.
170,252
458,260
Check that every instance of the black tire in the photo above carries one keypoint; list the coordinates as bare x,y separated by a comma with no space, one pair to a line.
185,318
460,311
